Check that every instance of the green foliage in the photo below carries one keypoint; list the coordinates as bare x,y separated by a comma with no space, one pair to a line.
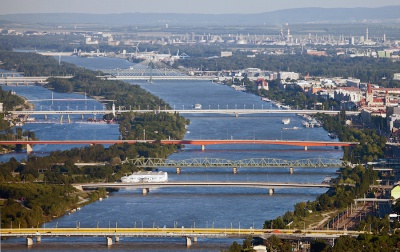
29,204
364,68
33,64
372,146
235,247
155,126
366,242
319,245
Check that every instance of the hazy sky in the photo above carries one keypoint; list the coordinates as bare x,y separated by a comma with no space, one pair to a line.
176,6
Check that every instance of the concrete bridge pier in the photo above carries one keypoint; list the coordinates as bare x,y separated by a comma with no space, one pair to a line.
38,239
291,170
108,241
203,147
194,240
234,170
29,241
116,239
178,170
271,191
29,148
305,148
45,116
83,116
145,191
188,242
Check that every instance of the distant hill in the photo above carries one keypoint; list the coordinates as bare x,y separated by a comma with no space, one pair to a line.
291,16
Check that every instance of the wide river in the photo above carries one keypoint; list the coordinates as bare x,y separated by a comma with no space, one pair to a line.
200,207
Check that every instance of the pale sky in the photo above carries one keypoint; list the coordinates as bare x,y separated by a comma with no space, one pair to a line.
177,6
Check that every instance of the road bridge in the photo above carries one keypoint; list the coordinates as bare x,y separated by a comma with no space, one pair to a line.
236,164
233,112
146,186
11,74
188,234
9,80
199,142
154,78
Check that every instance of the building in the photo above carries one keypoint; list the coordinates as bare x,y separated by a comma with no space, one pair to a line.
396,76
289,75
261,84
393,118
353,83
316,53
226,54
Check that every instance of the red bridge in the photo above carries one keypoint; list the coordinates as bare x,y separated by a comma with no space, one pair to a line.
202,143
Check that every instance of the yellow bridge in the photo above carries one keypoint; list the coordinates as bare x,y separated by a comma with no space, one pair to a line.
187,233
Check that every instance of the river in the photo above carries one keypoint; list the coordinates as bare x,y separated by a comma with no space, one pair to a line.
200,207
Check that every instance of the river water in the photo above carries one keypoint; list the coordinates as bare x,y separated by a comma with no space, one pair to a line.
200,207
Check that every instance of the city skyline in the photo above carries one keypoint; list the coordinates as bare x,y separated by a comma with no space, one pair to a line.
177,6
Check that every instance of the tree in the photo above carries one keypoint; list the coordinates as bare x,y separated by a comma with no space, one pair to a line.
235,247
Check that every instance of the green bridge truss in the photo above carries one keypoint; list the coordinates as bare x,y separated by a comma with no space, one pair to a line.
250,162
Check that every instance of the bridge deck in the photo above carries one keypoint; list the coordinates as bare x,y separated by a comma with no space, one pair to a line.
183,111
165,232
273,185
192,142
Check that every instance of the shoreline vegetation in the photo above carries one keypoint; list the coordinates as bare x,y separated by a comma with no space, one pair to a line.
332,202
53,175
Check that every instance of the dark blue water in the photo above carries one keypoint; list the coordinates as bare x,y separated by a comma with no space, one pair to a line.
202,207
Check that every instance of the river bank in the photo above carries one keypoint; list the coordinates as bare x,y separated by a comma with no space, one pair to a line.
206,207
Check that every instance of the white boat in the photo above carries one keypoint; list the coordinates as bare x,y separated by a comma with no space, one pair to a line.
327,180
197,106
266,99
292,128
286,120
145,177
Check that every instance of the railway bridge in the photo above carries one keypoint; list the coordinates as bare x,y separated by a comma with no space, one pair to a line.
317,163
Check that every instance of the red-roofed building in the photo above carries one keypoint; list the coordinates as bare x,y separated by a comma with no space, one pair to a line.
262,84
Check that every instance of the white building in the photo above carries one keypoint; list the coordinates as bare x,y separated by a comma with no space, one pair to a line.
290,75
